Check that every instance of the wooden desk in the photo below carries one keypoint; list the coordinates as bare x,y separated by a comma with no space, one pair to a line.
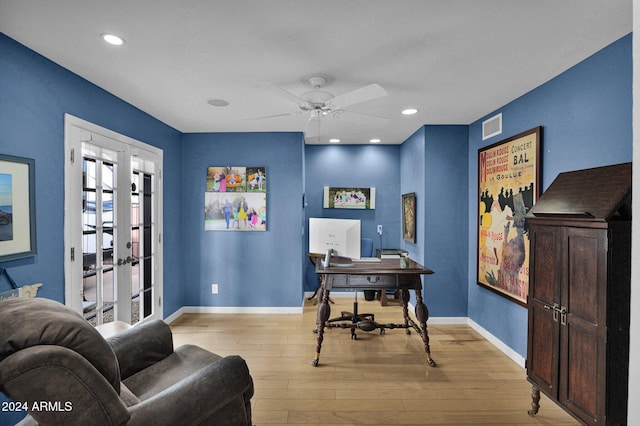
382,275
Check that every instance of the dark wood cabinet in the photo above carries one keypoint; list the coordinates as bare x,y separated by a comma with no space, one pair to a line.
580,267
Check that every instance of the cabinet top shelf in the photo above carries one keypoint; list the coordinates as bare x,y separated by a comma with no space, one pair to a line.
600,194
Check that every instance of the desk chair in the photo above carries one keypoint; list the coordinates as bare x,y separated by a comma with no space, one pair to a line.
365,322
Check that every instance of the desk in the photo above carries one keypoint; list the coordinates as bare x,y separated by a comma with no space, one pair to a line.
382,275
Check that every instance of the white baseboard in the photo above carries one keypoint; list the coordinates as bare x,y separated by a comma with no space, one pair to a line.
449,320
174,316
516,357
239,310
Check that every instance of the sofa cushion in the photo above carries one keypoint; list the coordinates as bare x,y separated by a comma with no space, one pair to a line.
185,361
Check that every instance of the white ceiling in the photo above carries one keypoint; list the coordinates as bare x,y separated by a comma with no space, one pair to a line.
454,60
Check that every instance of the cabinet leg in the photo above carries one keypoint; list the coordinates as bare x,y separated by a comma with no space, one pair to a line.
535,401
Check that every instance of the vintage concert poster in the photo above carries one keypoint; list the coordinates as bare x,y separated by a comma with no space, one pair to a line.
508,186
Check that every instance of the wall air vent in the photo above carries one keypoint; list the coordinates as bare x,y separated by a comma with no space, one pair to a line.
492,126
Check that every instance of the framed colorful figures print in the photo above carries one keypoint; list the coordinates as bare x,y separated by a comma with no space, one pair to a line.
235,199
508,186
348,198
409,217
17,207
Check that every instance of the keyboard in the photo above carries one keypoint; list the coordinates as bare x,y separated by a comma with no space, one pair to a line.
367,259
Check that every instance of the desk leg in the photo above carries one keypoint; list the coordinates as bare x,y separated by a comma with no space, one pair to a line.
422,314
404,294
324,311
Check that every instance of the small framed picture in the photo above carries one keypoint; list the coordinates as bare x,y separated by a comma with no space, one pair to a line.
409,217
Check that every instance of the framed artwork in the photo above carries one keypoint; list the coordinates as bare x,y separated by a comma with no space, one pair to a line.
235,199
508,186
17,208
409,217
349,198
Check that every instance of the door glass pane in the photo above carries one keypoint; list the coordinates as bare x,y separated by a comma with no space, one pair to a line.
142,242
89,238
108,296
99,291
135,292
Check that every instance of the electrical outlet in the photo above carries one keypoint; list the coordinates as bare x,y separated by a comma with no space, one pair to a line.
379,229
214,288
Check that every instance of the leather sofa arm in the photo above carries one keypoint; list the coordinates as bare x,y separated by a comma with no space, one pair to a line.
197,398
71,389
141,346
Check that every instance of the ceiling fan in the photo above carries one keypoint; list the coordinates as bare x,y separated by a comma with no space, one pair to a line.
320,103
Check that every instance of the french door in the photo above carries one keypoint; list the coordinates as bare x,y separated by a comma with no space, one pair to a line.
113,226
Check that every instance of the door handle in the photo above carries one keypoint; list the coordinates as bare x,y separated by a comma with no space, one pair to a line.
121,262
558,310
563,315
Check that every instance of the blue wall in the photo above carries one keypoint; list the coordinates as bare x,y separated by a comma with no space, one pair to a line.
259,269
585,114
445,242
35,94
434,166
412,178
376,166
586,118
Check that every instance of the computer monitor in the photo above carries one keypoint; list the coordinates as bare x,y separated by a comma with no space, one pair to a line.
341,235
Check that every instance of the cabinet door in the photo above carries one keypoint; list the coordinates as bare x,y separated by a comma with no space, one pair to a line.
583,328
544,292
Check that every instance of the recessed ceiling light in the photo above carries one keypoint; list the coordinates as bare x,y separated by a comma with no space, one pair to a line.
218,102
334,140
409,111
112,39
374,140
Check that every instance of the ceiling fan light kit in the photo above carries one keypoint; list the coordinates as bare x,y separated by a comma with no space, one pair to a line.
320,103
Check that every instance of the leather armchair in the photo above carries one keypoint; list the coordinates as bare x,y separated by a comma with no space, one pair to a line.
65,372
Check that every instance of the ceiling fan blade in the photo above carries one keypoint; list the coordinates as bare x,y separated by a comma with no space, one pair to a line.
286,94
361,115
366,93
266,117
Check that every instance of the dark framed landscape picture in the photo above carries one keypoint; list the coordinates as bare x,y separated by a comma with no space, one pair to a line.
17,207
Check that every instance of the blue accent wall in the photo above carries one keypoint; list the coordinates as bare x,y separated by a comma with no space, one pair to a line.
413,179
258,269
585,114
376,166
434,166
35,93
586,118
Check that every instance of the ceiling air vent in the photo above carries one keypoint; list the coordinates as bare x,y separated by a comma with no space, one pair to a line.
492,126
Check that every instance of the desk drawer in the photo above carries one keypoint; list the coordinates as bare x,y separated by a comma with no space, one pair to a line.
373,281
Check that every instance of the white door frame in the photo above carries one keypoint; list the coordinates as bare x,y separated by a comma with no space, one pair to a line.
77,131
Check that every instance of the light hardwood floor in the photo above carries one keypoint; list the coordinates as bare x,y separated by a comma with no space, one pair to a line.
374,380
